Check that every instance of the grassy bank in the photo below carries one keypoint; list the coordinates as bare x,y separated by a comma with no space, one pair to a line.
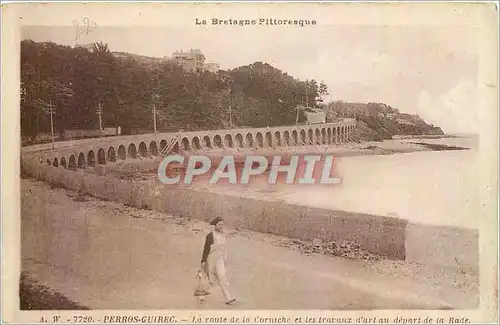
35,296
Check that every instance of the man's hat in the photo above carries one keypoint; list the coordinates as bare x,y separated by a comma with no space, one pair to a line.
215,221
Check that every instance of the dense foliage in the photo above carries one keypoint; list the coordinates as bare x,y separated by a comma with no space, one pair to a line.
378,121
76,80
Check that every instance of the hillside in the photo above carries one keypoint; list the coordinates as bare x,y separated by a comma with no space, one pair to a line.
127,86
76,80
378,121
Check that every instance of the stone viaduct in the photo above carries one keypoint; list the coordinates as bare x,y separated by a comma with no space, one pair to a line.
89,152
392,237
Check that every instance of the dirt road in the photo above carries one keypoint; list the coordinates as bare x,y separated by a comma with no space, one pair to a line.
103,255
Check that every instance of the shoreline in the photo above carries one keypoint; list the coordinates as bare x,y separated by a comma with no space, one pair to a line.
431,136
365,148
139,168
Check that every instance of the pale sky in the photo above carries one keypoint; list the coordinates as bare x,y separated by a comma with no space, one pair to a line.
429,70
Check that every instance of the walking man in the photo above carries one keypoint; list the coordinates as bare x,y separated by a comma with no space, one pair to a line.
214,258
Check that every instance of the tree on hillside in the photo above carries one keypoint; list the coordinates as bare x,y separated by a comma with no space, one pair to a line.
315,92
77,80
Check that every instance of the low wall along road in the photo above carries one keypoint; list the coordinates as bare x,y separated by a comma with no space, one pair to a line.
392,237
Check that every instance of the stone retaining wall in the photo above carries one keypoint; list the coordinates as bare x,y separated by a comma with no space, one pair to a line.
378,235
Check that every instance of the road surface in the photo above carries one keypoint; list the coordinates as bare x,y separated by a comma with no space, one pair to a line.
103,255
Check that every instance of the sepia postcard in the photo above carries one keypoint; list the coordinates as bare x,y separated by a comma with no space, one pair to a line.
250,163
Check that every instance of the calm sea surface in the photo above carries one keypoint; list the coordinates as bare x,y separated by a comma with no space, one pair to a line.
433,187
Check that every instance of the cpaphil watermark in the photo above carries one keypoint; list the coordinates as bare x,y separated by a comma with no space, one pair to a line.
306,169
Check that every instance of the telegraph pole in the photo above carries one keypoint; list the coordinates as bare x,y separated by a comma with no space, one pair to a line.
155,98
52,110
307,102
99,112
154,118
230,110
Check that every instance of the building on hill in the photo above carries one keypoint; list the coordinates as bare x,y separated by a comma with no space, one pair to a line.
311,115
189,61
193,60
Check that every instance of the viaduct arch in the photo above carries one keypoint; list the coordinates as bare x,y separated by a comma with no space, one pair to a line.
76,154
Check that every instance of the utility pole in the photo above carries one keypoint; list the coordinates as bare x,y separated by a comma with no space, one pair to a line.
154,118
52,110
230,110
99,112
37,119
307,102
155,99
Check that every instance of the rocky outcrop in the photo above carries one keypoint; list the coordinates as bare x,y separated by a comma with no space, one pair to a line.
380,128
378,121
